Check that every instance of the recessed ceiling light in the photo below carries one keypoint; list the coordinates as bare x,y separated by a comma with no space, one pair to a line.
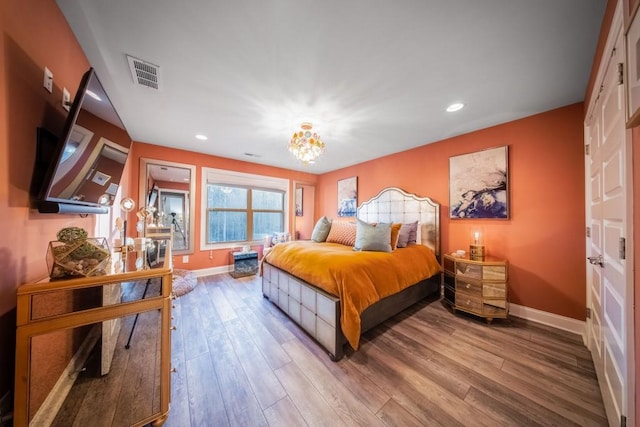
455,107
201,137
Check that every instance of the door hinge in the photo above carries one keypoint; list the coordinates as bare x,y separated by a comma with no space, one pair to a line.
623,421
587,148
622,250
588,231
620,73
588,313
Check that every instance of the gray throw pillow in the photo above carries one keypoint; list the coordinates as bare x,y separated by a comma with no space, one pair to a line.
321,230
407,234
373,238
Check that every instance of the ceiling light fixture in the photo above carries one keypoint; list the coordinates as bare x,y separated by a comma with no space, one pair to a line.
201,137
305,144
455,107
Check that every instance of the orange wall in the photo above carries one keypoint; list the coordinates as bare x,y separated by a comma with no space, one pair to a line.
34,35
544,238
216,258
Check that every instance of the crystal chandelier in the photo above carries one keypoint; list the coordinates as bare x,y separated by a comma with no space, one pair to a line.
306,145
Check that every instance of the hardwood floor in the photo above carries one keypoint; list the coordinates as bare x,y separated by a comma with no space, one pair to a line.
241,362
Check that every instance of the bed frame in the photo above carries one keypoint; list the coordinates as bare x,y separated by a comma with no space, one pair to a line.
318,312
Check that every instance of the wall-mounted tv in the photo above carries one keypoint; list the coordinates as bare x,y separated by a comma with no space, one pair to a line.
85,166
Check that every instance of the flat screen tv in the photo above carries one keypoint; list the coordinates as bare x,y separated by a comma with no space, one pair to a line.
85,164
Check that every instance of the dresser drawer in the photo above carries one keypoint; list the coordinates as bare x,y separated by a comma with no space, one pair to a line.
470,287
495,290
469,303
469,270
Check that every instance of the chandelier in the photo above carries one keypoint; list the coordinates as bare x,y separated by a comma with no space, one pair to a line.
306,145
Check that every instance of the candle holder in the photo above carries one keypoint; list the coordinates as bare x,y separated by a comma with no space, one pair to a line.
476,248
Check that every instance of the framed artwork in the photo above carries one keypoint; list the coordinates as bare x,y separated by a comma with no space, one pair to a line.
633,73
348,196
298,201
478,185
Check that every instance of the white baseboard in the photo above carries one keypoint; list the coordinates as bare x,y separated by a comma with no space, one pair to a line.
52,404
554,320
212,271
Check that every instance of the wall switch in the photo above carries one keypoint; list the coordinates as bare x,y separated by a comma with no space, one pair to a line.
185,259
66,99
48,80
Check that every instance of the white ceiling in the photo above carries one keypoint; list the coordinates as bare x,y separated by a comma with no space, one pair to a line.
373,76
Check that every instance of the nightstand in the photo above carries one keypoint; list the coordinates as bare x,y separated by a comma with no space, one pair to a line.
477,287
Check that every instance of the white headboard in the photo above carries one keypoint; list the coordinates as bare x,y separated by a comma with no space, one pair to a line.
395,205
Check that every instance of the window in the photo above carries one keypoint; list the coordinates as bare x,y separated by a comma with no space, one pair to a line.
241,207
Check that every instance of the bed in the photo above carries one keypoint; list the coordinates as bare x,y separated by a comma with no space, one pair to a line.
319,312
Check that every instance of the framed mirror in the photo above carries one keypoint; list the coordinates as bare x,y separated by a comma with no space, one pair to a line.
168,188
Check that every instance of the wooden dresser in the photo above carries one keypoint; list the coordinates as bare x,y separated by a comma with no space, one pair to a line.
477,287
96,348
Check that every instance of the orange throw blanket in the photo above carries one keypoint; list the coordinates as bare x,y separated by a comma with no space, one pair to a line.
359,279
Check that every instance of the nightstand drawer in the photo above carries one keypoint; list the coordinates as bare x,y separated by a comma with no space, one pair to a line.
469,287
495,290
469,270
470,303
494,272
495,308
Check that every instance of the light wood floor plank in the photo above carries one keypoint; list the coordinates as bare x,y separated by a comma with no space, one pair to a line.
348,407
264,383
283,413
315,410
239,400
269,346
360,385
394,414
206,406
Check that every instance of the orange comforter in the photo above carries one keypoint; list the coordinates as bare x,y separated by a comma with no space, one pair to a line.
359,279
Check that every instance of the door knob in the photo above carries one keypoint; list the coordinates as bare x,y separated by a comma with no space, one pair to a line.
596,260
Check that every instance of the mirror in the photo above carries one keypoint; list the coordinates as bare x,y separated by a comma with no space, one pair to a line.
169,189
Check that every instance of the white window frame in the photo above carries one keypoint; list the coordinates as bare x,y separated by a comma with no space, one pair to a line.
222,176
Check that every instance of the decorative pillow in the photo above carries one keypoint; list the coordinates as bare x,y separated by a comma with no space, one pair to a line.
342,232
279,238
395,234
373,237
407,231
321,230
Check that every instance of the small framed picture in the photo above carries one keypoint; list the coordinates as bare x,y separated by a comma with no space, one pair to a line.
348,196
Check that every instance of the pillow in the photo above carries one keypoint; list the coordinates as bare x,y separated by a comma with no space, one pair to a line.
407,232
342,232
395,233
279,238
321,230
372,237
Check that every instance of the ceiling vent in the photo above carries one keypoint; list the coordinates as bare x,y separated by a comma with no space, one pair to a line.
144,73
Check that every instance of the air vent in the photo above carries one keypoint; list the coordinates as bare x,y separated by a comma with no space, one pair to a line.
144,73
